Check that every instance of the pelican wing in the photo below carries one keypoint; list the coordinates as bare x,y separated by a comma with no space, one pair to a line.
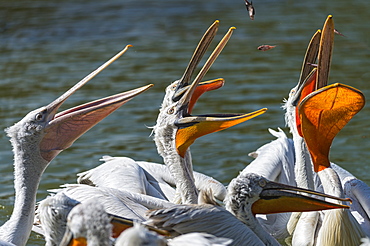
203,182
117,202
204,218
275,160
120,173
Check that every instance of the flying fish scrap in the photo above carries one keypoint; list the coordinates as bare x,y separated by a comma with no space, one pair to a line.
266,47
337,32
250,9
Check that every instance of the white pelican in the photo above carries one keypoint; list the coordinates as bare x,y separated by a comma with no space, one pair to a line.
323,113
176,129
278,153
248,195
309,225
39,137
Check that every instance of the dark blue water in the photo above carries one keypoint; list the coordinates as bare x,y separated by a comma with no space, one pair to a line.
47,46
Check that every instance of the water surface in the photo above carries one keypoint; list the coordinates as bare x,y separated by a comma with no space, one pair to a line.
47,46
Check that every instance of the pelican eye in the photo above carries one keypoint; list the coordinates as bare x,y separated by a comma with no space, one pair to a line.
262,183
40,116
171,110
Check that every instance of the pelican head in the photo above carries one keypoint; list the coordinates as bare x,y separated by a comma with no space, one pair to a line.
252,194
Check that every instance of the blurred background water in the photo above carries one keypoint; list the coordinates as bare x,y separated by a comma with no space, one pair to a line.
47,46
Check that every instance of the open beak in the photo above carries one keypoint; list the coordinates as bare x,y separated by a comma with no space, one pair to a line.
203,87
196,58
323,114
314,78
64,128
281,198
192,127
309,58
184,83
67,126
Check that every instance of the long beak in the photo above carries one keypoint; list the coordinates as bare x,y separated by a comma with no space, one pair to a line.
320,48
311,78
185,99
64,128
67,126
197,56
192,127
280,198
54,106
323,114
310,58
325,53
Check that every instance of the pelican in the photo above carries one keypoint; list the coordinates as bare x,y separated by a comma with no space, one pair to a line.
39,137
248,195
348,225
176,129
89,224
57,207
323,113
280,165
